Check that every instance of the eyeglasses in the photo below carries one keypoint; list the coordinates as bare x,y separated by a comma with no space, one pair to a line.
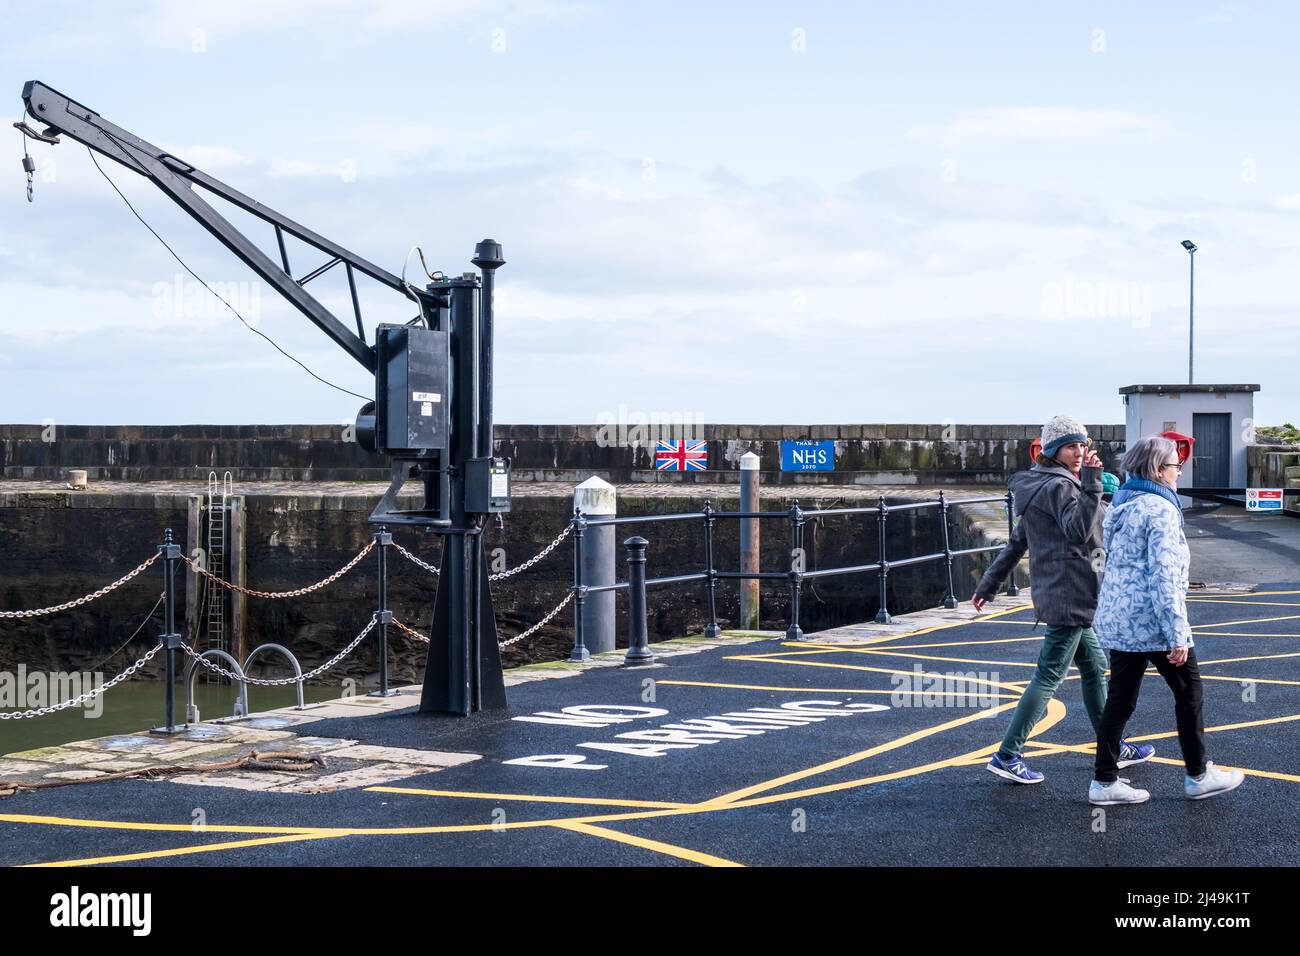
1172,464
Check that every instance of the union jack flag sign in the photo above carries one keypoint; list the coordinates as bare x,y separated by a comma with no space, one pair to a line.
681,455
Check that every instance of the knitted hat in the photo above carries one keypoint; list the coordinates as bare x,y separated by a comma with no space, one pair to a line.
1062,430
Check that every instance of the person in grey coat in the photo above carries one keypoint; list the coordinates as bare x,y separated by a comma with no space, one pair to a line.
1142,619
1060,508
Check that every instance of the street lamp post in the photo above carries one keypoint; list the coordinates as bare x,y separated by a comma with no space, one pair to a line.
1191,298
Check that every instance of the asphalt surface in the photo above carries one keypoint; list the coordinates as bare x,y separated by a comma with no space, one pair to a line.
897,782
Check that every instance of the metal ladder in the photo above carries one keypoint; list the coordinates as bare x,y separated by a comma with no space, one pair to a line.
215,596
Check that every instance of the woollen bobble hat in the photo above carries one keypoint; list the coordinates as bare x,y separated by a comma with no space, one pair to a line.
1061,430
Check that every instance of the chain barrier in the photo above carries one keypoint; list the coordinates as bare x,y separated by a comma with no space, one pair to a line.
37,612
78,701
501,644
537,557
411,631
415,560
284,681
502,574
299,592
558,608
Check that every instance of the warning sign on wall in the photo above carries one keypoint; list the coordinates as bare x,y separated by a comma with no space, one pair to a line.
1264,499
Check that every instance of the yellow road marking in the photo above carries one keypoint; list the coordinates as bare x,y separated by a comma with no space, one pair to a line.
984,618
153,827
1243,634
825,690
1055,711
1253,620
884,670
952,660
181,851
1257,657
656,845
1227,601
864,754
1001,640
531,798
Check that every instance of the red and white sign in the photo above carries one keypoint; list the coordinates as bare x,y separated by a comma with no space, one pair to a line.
1263,499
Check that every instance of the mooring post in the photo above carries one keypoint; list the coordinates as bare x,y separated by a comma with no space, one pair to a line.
950,601
383,538
580,652
882,513
749,541
1012,590
638,636
797,562
596,497
171,640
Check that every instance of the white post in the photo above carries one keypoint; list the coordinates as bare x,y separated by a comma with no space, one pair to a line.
597,498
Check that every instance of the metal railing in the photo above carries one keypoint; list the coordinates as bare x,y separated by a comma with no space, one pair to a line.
170,641
796,517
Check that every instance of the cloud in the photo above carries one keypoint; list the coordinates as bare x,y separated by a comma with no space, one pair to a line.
1047,123
200,25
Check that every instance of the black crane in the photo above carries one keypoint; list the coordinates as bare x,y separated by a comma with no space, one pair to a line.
432,412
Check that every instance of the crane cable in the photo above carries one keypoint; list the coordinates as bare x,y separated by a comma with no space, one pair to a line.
30,166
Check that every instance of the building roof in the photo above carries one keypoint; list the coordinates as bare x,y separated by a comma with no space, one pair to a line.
1163,389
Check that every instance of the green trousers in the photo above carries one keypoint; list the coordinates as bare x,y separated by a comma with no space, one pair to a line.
1061,646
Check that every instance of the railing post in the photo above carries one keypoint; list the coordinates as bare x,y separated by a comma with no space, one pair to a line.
749,541
794,632
171,639
1012,590
950,601
580,652
383,538
711,582
882,514
638,638
597,498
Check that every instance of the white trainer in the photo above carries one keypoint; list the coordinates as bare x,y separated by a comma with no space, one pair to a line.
1109,794
1213,781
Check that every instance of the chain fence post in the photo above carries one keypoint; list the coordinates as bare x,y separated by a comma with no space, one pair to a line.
750,501
882,514
711,629
383,539
950,601
1012,590
794,632
580,652
171,639
638,637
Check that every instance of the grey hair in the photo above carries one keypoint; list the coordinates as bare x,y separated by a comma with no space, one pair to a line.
1146,456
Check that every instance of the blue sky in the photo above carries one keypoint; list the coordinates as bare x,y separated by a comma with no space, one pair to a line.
753,212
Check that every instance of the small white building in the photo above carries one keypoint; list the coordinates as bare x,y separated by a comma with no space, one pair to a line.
1220,417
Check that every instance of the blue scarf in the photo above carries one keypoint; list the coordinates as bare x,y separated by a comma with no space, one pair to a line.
1136,486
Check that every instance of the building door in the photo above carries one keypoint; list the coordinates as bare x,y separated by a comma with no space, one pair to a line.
1211,453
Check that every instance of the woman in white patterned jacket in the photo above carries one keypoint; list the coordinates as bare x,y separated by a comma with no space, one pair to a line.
1142,618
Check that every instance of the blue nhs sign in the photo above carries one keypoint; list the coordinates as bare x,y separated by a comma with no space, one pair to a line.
808,455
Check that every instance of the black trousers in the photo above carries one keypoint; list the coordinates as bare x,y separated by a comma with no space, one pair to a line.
1126,670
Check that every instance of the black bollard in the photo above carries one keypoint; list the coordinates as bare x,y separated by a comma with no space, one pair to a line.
638,638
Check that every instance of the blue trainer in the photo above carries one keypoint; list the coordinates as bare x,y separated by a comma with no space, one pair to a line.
1013,769
1129,754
